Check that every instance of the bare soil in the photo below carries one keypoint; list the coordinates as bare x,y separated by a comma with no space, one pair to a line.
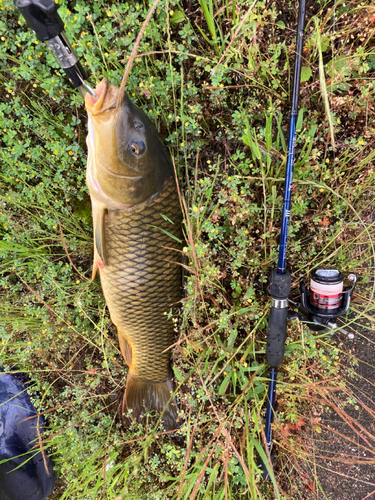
345,455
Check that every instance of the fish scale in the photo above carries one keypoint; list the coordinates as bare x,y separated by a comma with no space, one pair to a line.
141,280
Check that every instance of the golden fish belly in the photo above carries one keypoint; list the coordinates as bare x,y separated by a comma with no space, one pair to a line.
141,281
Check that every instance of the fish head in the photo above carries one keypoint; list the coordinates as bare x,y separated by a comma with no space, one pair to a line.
129,163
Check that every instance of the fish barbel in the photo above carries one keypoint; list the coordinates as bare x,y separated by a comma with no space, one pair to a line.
135,209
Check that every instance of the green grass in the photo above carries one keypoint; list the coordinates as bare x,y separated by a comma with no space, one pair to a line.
216,81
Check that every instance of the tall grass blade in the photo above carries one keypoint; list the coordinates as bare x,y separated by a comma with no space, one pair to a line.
323,85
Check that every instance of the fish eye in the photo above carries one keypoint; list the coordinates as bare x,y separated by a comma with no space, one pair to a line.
138,125
137,147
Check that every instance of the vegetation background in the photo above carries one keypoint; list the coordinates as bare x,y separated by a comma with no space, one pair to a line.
215,76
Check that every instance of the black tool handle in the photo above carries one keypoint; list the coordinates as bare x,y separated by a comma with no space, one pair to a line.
279,289
42,17
44,20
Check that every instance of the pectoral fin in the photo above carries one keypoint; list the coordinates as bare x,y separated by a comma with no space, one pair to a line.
95,269
98,215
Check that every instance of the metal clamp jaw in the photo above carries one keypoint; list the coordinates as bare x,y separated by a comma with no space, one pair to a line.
316,318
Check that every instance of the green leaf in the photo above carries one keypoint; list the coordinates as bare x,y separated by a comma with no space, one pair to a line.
269,132
244,310
300,119
208,14
178,374
224,384
259,388
246,140
252,143
306,73
339,66
167,218
323,85
167,233
268,466
178,17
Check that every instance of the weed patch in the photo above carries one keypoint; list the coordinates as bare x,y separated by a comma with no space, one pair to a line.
215,78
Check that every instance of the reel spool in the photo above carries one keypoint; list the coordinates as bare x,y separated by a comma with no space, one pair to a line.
326,286
327,299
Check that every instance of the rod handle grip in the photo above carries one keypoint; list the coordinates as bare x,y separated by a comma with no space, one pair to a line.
280,284
276,336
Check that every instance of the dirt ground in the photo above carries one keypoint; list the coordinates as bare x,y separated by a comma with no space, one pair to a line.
347,471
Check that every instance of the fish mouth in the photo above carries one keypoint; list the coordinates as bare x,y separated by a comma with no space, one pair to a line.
106,98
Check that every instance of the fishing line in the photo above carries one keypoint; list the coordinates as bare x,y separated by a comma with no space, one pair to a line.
133,54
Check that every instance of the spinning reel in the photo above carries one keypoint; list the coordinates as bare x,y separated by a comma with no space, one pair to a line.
326,299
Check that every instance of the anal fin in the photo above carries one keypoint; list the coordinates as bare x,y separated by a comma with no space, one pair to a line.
125,348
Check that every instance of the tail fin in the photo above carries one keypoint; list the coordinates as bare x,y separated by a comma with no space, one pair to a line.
141,396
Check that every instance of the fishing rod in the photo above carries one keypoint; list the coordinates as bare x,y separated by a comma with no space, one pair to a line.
43,18
326,299
280,280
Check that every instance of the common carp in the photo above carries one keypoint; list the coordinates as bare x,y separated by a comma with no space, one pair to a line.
135,208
